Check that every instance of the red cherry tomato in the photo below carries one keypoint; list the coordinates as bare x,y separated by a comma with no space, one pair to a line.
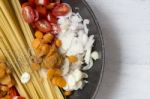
33,25
31,1
57,1
61,9
25,4
36,15
55,29
17,97
42,2
43,25
28,4
50,6
51,18
28,14
41,10
13,92
20,97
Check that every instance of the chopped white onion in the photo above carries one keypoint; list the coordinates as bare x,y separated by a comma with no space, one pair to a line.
78,64
65,67
84,75
75,48
76,19
88,66
90,42
83,37
79,85
87,56
75,41
85,22
66,40
77,75
74,80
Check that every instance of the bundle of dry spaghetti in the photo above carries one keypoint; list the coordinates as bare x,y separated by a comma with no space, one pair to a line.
15,42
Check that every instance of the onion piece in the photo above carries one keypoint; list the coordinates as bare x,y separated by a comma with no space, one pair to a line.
88,66
90,42
85,22
87,56
65,67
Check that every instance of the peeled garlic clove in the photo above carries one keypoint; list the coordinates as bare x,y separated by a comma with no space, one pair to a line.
25,77
95,55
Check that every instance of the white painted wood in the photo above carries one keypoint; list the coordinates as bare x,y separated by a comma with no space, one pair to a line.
126,30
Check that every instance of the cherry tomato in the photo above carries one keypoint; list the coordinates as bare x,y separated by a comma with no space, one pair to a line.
32,1
51,18
28,14
33,25
41,10
17,97
43,25
55,28
28,4
36,15
42,2
57,1
61,9
50,6
25,4
13,92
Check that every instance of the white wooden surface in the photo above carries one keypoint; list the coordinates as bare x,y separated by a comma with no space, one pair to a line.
126,30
